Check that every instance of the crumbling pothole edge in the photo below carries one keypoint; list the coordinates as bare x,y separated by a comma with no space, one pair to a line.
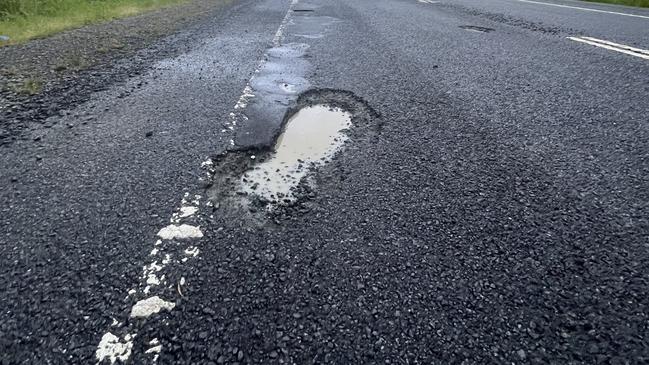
228,167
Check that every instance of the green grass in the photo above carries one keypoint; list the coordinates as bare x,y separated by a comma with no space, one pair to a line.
73,62
639,3
29,86
22,20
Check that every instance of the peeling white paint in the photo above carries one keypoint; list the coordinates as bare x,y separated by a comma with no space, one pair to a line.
151,268
187,211
183,231
154,349
244,98
187,208
192,251
112,349
146,307
280,31
152,279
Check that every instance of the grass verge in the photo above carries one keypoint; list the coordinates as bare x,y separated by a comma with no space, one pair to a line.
22,20
29,86
638,3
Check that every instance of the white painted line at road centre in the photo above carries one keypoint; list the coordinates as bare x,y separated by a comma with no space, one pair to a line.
642,53
112,348
623,46
585,9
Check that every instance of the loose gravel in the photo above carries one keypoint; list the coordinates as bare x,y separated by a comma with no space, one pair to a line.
46,77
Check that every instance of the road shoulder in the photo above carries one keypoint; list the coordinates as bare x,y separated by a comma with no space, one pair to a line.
44,77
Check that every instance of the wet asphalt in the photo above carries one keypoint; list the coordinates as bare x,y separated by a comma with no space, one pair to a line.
491,207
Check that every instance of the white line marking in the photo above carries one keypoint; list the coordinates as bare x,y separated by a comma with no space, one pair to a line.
192,251
149,306
111,348
154,349
623,46
180,232
609,45
187,211
585,9
247,93
428,1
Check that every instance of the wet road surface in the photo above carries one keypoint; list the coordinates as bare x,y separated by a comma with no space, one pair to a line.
486,204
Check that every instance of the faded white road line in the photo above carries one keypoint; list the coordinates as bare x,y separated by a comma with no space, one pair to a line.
632,51
112,348
585,9
428,1
623,46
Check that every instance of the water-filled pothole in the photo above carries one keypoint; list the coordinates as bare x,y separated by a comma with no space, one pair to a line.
311,137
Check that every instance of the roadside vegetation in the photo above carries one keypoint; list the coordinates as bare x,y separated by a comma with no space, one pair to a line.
21,20
639,3
30,86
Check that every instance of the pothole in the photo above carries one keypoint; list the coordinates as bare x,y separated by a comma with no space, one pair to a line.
250,181
311,136
475,28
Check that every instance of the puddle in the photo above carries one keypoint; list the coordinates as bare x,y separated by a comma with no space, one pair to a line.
475,28
252,180
311,136
289,88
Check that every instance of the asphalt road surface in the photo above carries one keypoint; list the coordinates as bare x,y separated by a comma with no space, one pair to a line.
490,205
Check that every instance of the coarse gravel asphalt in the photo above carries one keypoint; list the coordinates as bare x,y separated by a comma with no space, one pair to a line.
490,205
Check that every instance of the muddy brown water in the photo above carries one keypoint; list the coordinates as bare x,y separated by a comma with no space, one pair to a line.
311,136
